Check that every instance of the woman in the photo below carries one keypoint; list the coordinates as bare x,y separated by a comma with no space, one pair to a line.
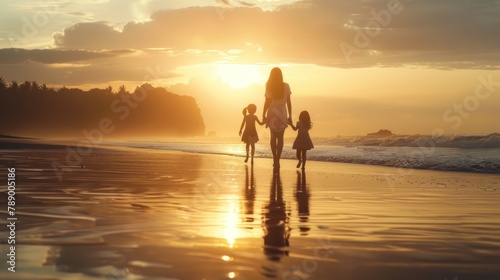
275,111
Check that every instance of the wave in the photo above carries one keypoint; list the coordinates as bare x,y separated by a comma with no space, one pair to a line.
447,158
428,159
454,141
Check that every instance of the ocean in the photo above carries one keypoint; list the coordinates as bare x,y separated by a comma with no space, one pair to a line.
469,153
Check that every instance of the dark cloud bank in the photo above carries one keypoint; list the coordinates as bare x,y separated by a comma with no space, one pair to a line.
440,34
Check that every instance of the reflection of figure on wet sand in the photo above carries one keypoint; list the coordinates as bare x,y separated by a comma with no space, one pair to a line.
302,195
276,223
98,261
249,195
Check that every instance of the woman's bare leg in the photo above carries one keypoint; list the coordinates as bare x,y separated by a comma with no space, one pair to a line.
279,147
273,146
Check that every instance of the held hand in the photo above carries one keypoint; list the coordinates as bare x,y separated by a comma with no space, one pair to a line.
290,121
240,133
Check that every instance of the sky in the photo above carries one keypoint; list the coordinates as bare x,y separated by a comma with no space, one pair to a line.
357,66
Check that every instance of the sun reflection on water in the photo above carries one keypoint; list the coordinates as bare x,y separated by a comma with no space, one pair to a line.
231,223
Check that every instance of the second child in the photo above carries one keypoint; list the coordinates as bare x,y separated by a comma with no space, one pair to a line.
303,142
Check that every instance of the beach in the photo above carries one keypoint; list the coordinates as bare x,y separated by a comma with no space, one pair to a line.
164,140
129,213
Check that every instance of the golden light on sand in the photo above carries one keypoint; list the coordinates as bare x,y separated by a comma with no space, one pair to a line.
239,75
231,223
226,258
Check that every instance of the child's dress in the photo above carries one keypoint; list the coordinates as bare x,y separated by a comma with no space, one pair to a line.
303,140
250,135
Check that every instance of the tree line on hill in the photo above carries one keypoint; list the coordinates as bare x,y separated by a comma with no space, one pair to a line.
33,109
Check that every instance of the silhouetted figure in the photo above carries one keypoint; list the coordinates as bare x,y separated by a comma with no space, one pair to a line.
275,112
84,259
276,223
249,194
303,142
302,195
250,136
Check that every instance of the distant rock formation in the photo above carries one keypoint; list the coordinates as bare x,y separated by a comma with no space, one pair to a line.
147,112
381,133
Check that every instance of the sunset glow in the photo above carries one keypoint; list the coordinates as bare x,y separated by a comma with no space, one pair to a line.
356,66
239,75
231,223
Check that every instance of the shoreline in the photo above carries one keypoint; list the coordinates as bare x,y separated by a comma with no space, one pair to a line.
20,143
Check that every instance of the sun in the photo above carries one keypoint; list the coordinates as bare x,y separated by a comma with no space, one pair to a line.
239,75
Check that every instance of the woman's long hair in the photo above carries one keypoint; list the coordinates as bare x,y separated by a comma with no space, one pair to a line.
275,83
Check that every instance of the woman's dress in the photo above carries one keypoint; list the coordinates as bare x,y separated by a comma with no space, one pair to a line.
277,117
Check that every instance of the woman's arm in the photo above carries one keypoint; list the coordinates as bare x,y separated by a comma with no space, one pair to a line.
289,107
266,107
258,121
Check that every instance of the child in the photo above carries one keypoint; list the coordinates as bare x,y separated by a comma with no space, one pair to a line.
250,136
303,141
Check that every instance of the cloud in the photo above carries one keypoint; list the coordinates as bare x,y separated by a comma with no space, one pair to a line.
442,34
89,36
78,67
9,56
234,3
435,34
97,68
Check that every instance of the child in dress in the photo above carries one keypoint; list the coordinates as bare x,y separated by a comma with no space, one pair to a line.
303,141
250,136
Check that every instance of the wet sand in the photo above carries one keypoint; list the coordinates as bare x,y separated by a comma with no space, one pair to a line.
142,214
